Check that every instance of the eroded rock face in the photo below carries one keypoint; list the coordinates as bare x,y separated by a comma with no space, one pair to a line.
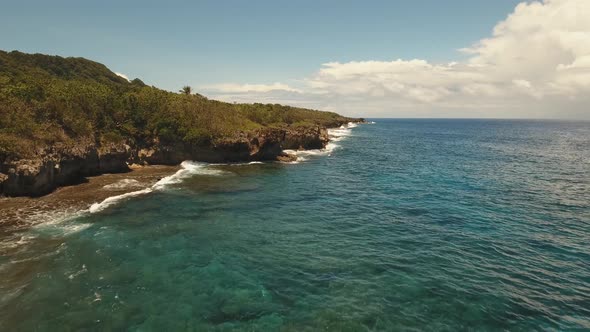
305,138
113,158
57,166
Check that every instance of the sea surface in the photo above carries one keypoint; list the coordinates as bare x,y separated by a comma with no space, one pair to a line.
399,225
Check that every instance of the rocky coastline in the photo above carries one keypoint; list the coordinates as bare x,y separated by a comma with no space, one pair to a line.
57,166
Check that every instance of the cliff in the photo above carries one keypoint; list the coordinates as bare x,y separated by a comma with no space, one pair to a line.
57,166
63,119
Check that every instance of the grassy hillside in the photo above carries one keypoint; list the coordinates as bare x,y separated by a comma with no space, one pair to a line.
47,100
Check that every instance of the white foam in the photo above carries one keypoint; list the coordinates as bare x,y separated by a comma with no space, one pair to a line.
236,164
302,155
15,241
335,134
123,184
27,258
188,169
77,273
97,207
338,134
71,228
62,223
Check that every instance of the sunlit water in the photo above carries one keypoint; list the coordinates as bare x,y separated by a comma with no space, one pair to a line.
407,224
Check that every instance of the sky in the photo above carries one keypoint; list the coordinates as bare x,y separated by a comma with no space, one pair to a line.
420,58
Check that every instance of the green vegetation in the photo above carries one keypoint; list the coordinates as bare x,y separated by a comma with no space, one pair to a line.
187,90
47,100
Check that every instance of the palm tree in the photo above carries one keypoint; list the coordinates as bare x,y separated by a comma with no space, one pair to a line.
186,90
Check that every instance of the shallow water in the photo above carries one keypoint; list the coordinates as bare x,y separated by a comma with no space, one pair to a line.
404,224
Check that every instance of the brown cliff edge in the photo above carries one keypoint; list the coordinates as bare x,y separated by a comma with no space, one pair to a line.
59,165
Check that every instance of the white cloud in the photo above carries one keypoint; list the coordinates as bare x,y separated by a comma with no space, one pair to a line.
536,63
122,75
248,88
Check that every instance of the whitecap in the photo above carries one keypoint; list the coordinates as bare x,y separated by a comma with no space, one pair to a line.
188,169
338,134
335,134
97,207
79,272
236,164
302,155
62,223
15,241
123,184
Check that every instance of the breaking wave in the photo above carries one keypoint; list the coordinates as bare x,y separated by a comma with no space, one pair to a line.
123,184
64,222
335,134
97,207
188,169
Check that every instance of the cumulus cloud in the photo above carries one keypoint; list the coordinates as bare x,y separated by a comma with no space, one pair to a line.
536,63
247,88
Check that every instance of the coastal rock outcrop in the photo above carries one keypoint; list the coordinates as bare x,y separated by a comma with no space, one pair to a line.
63,119
305,138
64,165
58,166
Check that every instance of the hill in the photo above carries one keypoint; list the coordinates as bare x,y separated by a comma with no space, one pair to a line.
48,99
56,112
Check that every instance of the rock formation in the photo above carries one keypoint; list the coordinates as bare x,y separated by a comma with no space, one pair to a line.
58,165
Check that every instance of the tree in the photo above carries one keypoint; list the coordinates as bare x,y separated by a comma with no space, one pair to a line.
186,90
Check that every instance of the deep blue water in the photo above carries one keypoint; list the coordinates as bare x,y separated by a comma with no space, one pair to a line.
408,224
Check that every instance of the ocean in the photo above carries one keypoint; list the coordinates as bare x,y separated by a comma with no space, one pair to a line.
400,224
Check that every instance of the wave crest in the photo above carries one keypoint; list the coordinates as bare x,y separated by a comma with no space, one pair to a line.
188,169
123,184
335,134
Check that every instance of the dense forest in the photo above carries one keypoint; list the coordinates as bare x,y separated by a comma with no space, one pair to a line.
45,100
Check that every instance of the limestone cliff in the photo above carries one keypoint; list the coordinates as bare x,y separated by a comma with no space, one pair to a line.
63,119
60,165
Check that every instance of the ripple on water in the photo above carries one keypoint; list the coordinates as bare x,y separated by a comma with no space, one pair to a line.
410,224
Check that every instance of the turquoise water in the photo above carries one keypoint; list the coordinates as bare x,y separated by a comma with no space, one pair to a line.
407,224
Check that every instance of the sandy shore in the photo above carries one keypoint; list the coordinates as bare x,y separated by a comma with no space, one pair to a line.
18,213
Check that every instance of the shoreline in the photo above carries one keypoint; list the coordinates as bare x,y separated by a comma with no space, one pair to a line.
23,212
61,167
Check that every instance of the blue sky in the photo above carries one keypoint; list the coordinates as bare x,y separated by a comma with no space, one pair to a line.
334,55
169,44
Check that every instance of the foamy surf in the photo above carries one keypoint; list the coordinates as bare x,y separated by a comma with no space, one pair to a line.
335,134
13,241
61,223
338,134
123,184
97,207
188,169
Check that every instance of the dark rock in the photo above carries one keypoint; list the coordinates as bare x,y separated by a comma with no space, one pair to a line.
305,138
58,166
